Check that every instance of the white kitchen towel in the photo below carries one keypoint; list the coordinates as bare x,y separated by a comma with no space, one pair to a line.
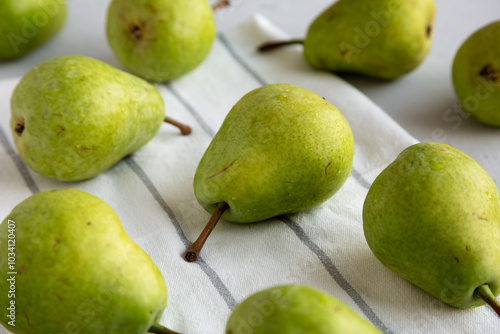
152,193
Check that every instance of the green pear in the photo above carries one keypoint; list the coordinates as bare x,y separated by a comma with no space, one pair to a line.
433,217
281,149
384,39
476,74
27,24
295,309
160,40
68,266
73,117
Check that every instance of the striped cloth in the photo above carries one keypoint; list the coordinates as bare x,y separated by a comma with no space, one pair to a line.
152,193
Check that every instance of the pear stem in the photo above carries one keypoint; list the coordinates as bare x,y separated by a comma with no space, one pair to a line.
220,4
159,329
269,46
485,293
193,252
185,130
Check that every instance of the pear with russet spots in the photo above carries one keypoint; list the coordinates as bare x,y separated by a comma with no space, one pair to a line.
76,269
433,217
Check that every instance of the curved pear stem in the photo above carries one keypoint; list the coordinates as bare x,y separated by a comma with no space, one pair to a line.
185,130
193,252
220,4
159,329
269,46
485,293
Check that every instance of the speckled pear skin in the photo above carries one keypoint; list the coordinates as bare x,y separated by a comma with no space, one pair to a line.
383,39
160,40
27,24
295,309
74,117
476,74
433,217
77,269
281,149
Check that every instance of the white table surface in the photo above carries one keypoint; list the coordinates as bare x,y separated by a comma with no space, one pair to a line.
418,101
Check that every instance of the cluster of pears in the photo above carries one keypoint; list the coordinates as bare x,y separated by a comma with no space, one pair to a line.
382,39
76,270
56,227
106,294
439,224
74,117
386,39
431,229
27,24
157,40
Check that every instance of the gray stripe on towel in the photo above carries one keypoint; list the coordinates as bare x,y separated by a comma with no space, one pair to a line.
212,275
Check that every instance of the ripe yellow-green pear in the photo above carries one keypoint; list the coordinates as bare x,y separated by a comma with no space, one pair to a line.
71,268
27,24
476,74
295,309
281,149
433,217
160,40
384,39
73,117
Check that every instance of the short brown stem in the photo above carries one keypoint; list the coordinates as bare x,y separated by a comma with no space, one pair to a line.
485,293
269,46
193,252
159,329
220,4
185,130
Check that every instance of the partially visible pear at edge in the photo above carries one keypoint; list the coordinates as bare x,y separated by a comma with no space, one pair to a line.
433,217
73,117
27,24
75,269
476,74
292,309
